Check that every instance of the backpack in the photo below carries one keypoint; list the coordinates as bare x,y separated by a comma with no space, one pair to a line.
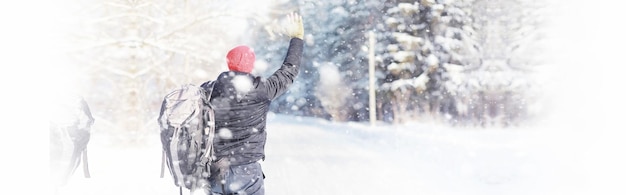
187,123
70,131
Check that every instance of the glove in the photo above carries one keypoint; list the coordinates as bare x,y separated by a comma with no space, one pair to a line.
294,27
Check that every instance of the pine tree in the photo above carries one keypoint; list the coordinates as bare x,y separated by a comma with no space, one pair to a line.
429,39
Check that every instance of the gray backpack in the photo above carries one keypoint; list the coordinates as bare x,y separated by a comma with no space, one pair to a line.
187,124
70,132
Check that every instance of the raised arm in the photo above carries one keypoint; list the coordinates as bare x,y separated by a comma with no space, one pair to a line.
280,81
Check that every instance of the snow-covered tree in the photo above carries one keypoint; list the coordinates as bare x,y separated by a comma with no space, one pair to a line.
131,53
429,38
460,59
501,86
465,60
335,35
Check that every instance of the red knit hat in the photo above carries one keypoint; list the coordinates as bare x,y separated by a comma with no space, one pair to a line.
240,59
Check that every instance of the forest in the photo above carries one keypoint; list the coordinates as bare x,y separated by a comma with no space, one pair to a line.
466,63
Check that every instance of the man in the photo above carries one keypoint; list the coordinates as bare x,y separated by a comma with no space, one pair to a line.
241,102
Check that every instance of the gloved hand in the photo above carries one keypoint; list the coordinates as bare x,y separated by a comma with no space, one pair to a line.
294,27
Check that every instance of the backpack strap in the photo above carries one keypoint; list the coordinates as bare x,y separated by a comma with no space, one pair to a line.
222,164
208,87
86,164
163,163
209,90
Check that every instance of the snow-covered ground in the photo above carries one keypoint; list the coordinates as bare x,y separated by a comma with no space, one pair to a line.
312,156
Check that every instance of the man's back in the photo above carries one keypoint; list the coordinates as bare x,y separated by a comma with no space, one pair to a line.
241,104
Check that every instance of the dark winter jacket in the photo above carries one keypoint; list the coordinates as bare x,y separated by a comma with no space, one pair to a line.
241,102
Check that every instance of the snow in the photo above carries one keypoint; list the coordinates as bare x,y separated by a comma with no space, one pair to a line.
408,8
225,133
408,41
315,156
329,74
577,149
242,84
